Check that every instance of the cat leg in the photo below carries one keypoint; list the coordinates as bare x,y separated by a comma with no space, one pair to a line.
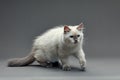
41,58
64,64
82,60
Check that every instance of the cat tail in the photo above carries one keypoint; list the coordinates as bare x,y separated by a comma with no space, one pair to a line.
16,62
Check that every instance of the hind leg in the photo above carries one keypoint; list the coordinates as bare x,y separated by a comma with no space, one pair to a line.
41,58
45,64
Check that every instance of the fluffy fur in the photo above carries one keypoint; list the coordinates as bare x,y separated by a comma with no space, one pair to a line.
57,44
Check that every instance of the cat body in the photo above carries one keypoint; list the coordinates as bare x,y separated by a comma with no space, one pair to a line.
56,44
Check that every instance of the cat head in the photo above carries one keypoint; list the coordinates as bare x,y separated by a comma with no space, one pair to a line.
73,34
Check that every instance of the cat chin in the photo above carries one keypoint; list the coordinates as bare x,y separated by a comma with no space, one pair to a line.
73,44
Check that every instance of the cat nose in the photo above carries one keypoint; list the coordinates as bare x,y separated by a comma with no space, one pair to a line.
76,41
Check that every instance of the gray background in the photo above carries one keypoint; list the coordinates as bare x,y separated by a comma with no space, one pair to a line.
22,20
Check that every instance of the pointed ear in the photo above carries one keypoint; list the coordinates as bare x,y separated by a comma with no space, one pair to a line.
66,29
80,26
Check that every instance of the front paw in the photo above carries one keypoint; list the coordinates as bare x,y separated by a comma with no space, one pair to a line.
83,65
66,68
83,69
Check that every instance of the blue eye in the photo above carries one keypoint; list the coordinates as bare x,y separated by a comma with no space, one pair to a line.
71,36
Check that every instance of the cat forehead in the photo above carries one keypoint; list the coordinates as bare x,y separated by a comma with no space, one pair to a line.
73,27
74,30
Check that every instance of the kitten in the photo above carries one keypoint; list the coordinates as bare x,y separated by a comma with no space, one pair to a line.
56,44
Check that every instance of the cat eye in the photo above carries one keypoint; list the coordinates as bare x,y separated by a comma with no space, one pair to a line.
71,36
78,35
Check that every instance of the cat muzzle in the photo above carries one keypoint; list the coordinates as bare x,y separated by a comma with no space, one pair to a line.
76,41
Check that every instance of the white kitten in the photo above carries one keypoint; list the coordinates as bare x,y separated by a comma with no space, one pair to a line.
56,44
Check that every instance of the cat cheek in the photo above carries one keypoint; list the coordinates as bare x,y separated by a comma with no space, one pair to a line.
71,40
67,40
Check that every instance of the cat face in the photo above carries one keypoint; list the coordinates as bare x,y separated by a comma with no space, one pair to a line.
72,35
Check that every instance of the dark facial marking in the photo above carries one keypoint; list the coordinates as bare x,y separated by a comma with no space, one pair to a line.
75,37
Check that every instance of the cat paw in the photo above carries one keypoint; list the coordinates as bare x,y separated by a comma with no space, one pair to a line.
83,69
83,65
66,68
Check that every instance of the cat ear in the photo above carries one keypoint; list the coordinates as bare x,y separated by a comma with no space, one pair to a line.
66,29
80,26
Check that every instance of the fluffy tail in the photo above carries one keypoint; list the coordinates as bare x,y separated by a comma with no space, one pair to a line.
16,62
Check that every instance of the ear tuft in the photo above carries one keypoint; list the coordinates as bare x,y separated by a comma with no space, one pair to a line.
66,29
81,26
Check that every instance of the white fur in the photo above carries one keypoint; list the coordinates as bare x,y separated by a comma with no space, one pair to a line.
52,46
